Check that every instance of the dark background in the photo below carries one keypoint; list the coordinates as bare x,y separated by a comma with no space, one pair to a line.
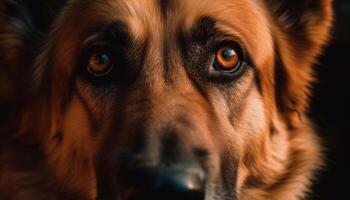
329,107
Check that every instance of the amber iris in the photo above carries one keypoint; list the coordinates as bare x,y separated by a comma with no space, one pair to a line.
100,64
227,59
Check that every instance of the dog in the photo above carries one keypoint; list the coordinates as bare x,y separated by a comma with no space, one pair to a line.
160,99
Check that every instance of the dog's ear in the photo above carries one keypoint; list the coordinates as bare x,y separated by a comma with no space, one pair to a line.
23,27
301,28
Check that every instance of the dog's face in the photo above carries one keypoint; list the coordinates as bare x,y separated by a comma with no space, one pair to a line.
169,91
170,99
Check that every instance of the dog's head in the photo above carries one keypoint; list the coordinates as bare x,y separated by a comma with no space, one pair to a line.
150,99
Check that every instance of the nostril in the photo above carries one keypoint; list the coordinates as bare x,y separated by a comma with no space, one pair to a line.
168,184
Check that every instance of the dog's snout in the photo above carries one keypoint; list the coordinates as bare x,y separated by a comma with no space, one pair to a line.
185,181
165,167
162,161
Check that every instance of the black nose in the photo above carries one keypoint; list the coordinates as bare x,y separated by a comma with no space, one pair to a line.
177,182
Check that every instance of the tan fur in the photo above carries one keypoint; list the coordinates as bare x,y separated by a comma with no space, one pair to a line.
273,143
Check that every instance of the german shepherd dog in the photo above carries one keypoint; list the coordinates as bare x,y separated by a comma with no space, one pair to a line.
160,99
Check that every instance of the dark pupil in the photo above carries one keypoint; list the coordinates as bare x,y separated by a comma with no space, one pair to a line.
228,54
102,59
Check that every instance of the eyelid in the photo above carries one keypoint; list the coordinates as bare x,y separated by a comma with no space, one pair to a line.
98,45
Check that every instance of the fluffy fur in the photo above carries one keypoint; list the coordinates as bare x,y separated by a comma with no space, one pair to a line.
62,127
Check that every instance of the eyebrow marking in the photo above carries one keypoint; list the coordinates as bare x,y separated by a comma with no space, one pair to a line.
118,31
115,30
204,29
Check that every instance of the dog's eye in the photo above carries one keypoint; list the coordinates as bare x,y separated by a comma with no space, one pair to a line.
227,59
100,63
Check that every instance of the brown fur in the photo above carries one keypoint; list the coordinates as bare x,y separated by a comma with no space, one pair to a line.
62,129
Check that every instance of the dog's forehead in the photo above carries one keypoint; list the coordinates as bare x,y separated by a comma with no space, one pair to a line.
157,19
241,18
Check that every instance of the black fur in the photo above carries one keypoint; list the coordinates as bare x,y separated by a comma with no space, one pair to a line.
29,20
164,5
24,25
